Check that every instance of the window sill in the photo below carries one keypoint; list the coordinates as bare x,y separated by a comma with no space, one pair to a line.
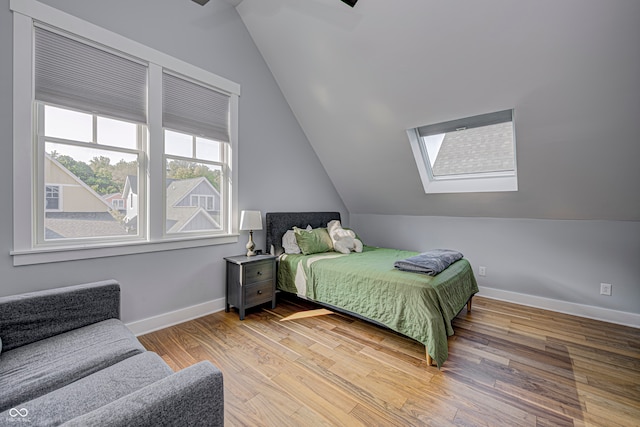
60,254
471,185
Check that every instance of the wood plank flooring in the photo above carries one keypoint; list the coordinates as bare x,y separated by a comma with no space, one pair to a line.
508,365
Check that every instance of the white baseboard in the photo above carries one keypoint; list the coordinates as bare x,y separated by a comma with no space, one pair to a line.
165,320
150,324
588,311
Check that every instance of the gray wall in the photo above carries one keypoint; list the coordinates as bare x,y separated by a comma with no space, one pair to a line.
272,150
559,259
358,78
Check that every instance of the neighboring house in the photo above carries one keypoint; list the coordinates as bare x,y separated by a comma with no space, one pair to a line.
130,195
192,204
72,208
116,201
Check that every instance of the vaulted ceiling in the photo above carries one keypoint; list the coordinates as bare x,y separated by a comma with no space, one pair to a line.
357,78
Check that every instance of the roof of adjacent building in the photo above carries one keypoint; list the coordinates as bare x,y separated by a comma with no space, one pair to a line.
70,225
477,150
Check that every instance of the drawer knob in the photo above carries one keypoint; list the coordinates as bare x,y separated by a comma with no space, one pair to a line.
259,292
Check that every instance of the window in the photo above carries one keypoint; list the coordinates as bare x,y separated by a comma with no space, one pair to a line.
475,154
52,197
205,202
195,120
99,123
90,111
92,156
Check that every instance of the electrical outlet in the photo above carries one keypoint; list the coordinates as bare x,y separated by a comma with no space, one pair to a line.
482,270
605,289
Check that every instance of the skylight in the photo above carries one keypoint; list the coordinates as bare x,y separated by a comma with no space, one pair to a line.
474,154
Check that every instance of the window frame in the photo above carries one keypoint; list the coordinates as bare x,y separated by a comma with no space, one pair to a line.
500,181
58,188
25,249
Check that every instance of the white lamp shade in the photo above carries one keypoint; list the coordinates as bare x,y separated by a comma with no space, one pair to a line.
250,220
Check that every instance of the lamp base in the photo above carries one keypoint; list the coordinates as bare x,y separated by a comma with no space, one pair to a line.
250,245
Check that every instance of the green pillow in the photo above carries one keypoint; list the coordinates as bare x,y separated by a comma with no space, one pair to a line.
314,241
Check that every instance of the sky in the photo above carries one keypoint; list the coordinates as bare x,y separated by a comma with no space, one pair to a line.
101,131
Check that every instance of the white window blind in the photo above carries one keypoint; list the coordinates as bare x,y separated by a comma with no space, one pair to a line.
195,109
81,76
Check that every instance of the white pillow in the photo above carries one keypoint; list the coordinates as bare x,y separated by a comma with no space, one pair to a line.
289,242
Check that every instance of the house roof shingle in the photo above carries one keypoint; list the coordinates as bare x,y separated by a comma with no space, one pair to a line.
477,150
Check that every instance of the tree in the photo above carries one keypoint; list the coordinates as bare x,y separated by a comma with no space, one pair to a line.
120,171
97,174
182,169
80,169
102,180
100,162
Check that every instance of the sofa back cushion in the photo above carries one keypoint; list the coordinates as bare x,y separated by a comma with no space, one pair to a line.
33,316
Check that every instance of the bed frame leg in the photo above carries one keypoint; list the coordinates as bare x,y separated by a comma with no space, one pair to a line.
429,360
469,305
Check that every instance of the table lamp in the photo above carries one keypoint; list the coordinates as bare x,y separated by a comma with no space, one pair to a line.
250,220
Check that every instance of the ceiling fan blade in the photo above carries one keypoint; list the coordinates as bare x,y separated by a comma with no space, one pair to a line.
349,2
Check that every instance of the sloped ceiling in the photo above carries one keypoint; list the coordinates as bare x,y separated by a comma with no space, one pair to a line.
356,79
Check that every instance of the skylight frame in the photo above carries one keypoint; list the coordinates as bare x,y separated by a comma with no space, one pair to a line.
495,181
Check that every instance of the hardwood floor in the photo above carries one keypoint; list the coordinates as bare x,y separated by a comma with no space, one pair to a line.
508,365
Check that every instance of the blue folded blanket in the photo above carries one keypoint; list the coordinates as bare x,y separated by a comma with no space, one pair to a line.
431,262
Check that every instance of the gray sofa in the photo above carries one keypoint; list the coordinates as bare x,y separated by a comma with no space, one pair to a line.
67,359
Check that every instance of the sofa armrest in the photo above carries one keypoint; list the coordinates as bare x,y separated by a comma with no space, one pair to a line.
191,397
34,316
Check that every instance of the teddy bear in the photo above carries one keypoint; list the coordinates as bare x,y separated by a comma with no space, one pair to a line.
344,241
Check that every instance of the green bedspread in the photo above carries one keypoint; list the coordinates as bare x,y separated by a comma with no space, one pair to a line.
413,304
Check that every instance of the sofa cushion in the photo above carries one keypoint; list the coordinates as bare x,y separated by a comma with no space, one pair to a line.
35,369
193,396
94,391
34,316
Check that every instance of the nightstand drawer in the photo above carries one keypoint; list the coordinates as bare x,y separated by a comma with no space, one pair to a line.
258,293
258,271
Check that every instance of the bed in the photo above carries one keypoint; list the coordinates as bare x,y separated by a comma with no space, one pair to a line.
368,286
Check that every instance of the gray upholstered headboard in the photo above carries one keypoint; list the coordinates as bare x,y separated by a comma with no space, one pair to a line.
279,222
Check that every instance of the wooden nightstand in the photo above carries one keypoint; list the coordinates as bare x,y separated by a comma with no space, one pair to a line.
250,281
